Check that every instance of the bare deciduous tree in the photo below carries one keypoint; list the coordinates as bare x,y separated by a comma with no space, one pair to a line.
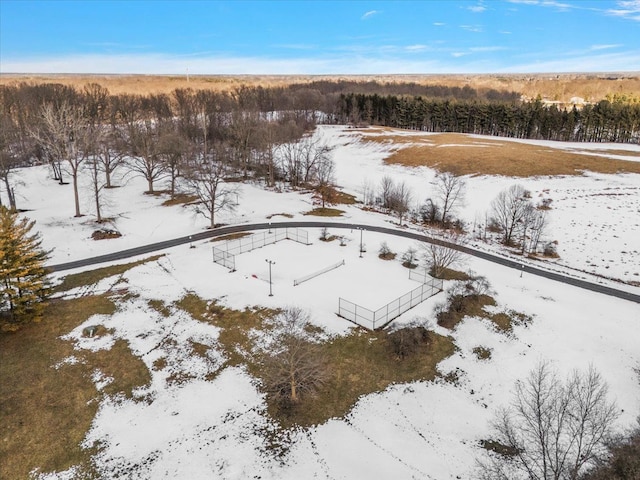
98,183
439,258
10,155
386,191
450,190
553,429
301,160
67,137
294,366
508,210
400,200
368,192
536,224
325,179
110,153
207,181
145,161
173,150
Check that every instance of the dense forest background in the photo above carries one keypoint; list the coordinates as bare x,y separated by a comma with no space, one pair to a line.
249,131
432,108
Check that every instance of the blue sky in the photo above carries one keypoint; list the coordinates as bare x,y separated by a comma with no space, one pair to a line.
319,37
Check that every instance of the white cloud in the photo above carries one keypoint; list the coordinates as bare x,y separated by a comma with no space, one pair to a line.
366,63
546,3
604,47
627,9
472,28
370,13
415,48
477,8
439,24
219,65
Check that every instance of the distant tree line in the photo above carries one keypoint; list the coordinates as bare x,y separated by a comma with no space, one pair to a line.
256,133
190,142
602,122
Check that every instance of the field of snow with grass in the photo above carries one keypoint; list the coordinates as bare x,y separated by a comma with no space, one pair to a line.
213,423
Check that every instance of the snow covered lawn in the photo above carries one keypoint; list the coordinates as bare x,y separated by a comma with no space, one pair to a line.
212,424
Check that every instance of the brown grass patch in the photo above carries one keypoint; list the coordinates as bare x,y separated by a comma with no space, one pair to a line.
231,236
46,412
450,274
91,277
505,321
180,199
470,306
325,212
235,324
342,198
359,364
465,155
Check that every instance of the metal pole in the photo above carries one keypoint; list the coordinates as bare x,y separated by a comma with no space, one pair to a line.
360,242
270,283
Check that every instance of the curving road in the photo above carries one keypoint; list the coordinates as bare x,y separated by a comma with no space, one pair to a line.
154,247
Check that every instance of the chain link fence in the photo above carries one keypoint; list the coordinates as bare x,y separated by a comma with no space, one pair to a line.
225,253
381,317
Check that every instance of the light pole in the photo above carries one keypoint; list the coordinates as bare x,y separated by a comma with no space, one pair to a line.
270,263
361,241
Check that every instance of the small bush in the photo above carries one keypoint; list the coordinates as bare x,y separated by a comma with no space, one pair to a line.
408,340
385,252
482,353
545,204
409,258
105,234
551,250
464,298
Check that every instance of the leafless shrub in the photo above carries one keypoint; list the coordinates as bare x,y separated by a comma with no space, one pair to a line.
408,340
293,366
438,258
553,429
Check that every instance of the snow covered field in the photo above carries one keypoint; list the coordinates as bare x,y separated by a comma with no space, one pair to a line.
212,428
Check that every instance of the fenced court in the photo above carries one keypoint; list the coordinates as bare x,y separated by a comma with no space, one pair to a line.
225,253
376,319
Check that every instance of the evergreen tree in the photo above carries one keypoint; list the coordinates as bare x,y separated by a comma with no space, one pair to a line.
24,283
